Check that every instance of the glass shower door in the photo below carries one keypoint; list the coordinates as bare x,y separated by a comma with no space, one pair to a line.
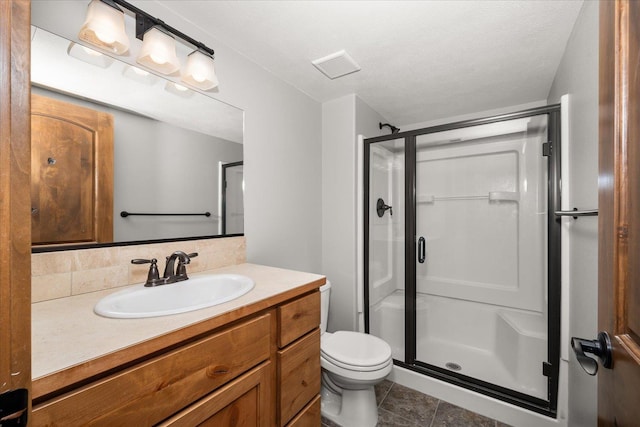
481,227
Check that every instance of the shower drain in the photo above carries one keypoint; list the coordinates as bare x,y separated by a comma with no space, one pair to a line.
453,366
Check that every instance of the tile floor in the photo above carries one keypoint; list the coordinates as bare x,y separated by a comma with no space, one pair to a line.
399,406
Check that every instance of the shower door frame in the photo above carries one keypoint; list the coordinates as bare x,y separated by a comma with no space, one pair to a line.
551,367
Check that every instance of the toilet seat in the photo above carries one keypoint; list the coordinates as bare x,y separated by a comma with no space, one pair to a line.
351,378
355,351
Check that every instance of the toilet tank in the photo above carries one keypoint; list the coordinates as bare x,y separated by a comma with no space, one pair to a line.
325,291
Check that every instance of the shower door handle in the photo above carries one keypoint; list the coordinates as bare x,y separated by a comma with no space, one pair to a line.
422,250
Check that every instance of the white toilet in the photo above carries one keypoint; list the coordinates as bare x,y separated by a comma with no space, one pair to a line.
352,364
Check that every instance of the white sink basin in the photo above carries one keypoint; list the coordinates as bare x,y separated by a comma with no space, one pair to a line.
193,294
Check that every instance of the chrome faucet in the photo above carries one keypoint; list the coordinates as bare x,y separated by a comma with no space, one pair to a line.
172,274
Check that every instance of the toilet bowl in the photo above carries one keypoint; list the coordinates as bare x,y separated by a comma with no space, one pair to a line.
352,364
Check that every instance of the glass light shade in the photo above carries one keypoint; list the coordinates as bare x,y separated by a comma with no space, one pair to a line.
104,28
139,75
199,71
179,90
158,52
89,55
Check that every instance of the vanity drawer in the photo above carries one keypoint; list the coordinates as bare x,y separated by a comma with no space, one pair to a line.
157,388
309,416
298,375
297,318
242,402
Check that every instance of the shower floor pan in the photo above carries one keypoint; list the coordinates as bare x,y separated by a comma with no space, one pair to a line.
478,363
494,344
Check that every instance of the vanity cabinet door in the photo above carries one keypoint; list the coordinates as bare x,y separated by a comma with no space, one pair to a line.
298,375
243,402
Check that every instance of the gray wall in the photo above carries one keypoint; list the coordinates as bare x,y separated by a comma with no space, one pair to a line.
578,76
343,119
338,209
282,156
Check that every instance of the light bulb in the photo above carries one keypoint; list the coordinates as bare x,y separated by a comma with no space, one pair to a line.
199,77
105,36
158,57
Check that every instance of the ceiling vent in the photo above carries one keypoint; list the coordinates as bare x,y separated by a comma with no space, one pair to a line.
336,65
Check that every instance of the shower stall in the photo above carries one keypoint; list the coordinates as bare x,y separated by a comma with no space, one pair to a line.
462,253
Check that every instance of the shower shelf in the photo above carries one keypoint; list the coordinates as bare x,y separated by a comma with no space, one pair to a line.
508,196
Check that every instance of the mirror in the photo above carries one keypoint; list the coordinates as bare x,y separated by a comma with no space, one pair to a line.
170,146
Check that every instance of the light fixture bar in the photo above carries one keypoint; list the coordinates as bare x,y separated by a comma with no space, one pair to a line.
144,22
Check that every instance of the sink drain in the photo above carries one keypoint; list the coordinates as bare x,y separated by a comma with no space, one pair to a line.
453,366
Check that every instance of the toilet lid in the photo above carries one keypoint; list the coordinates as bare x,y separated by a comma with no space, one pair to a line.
356,349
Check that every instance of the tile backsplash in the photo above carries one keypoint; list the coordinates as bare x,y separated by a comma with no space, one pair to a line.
62,274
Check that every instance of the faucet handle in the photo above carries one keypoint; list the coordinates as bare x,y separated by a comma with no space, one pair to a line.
143,261
153,277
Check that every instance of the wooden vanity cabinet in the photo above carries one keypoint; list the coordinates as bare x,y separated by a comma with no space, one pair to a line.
157,388
298,362
260,371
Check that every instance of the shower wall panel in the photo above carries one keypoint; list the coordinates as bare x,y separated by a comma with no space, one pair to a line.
387,244
481,208
386,257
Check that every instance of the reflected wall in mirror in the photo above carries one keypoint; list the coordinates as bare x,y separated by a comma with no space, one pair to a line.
170,146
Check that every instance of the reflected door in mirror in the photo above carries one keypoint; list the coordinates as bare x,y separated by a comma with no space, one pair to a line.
71,173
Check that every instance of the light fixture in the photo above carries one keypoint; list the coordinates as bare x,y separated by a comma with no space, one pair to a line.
159,51
199,71
88,55
179,90
139,75
104,27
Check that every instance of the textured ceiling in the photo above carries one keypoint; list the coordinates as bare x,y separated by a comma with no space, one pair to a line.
421,60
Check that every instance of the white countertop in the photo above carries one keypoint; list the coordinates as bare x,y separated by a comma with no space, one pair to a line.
66,331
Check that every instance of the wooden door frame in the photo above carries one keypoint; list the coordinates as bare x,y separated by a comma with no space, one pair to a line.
15,167
618,227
